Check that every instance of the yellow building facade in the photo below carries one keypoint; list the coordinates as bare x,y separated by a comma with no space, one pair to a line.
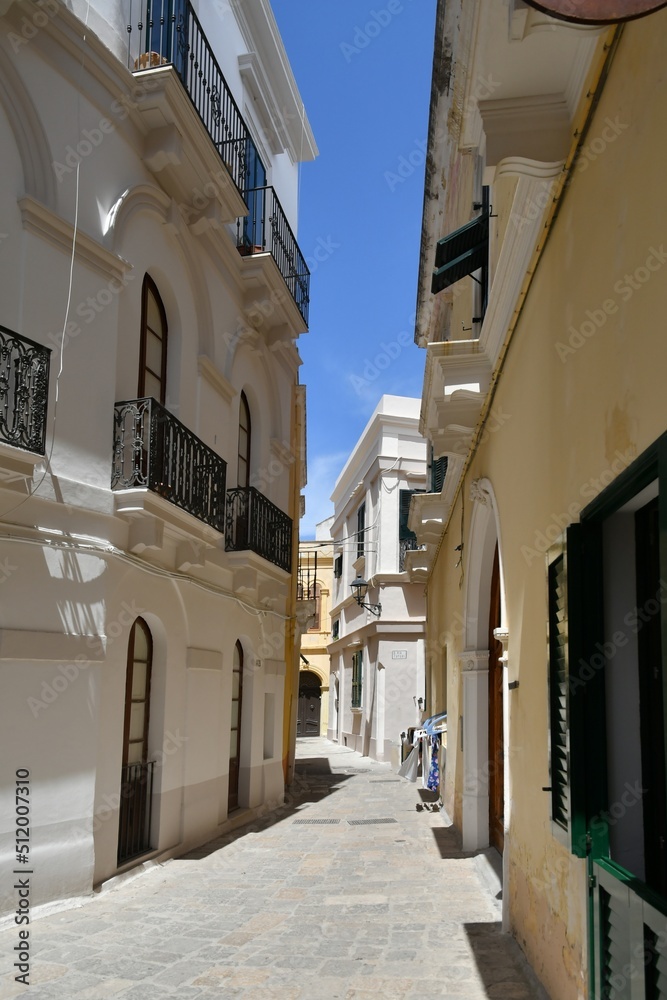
315,583
546,548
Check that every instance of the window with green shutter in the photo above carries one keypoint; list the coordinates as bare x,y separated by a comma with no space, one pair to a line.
357,663
437,472
361,529
607,615
407,540
558,736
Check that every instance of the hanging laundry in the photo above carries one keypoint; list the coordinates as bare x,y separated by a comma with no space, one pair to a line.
433,780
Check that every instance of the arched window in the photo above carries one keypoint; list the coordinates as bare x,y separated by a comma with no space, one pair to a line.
137,771
243,475
235,728
153,352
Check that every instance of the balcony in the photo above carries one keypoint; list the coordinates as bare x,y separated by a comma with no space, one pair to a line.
155,451
24,392
168,33
254,523
266,230
406,545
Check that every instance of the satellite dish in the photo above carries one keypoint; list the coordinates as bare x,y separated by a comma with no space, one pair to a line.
597,11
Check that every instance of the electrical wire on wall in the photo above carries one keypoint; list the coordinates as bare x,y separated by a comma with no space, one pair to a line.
70,284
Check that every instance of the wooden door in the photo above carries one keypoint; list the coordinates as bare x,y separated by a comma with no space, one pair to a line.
235,729
310,704
496,754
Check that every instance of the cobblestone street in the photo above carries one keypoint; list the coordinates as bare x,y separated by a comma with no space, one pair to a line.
353,891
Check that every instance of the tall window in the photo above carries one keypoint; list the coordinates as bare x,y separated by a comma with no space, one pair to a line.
437,472
243,476
357,663
137,771
361,529
608,731
407,540
315,594
235,729
254,222
153,351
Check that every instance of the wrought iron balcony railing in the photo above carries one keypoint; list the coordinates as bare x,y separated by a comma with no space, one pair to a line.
155,451
24,391
265,228
254,523
168,32
406,545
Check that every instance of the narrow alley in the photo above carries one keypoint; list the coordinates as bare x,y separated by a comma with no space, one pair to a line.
354,890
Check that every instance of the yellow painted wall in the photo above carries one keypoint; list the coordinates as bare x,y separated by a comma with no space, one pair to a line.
576,416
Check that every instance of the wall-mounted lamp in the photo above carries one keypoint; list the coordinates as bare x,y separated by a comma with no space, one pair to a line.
360,589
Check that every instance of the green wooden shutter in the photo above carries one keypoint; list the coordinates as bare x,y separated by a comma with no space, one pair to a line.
438,473
567,690
356,678
558,693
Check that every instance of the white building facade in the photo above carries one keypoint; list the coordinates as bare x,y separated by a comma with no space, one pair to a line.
152,295
377,656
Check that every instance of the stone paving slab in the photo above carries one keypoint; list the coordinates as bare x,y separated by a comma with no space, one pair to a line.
293,910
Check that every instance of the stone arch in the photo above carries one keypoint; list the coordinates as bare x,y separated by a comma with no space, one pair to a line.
484,537
150,199
31,140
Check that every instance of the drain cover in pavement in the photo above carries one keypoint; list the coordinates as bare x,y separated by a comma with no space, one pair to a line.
316,822
367,822
385,781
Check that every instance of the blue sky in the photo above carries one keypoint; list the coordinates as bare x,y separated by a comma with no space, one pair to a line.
364,73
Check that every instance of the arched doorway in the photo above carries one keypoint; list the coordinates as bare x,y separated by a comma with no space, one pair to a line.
483,675
134,827
310,703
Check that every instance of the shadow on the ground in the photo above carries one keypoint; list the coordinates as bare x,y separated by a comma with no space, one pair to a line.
447,843
313,781
501,963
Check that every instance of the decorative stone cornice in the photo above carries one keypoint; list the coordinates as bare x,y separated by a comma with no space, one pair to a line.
215,378
53,229
478,492
536,126
474,661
